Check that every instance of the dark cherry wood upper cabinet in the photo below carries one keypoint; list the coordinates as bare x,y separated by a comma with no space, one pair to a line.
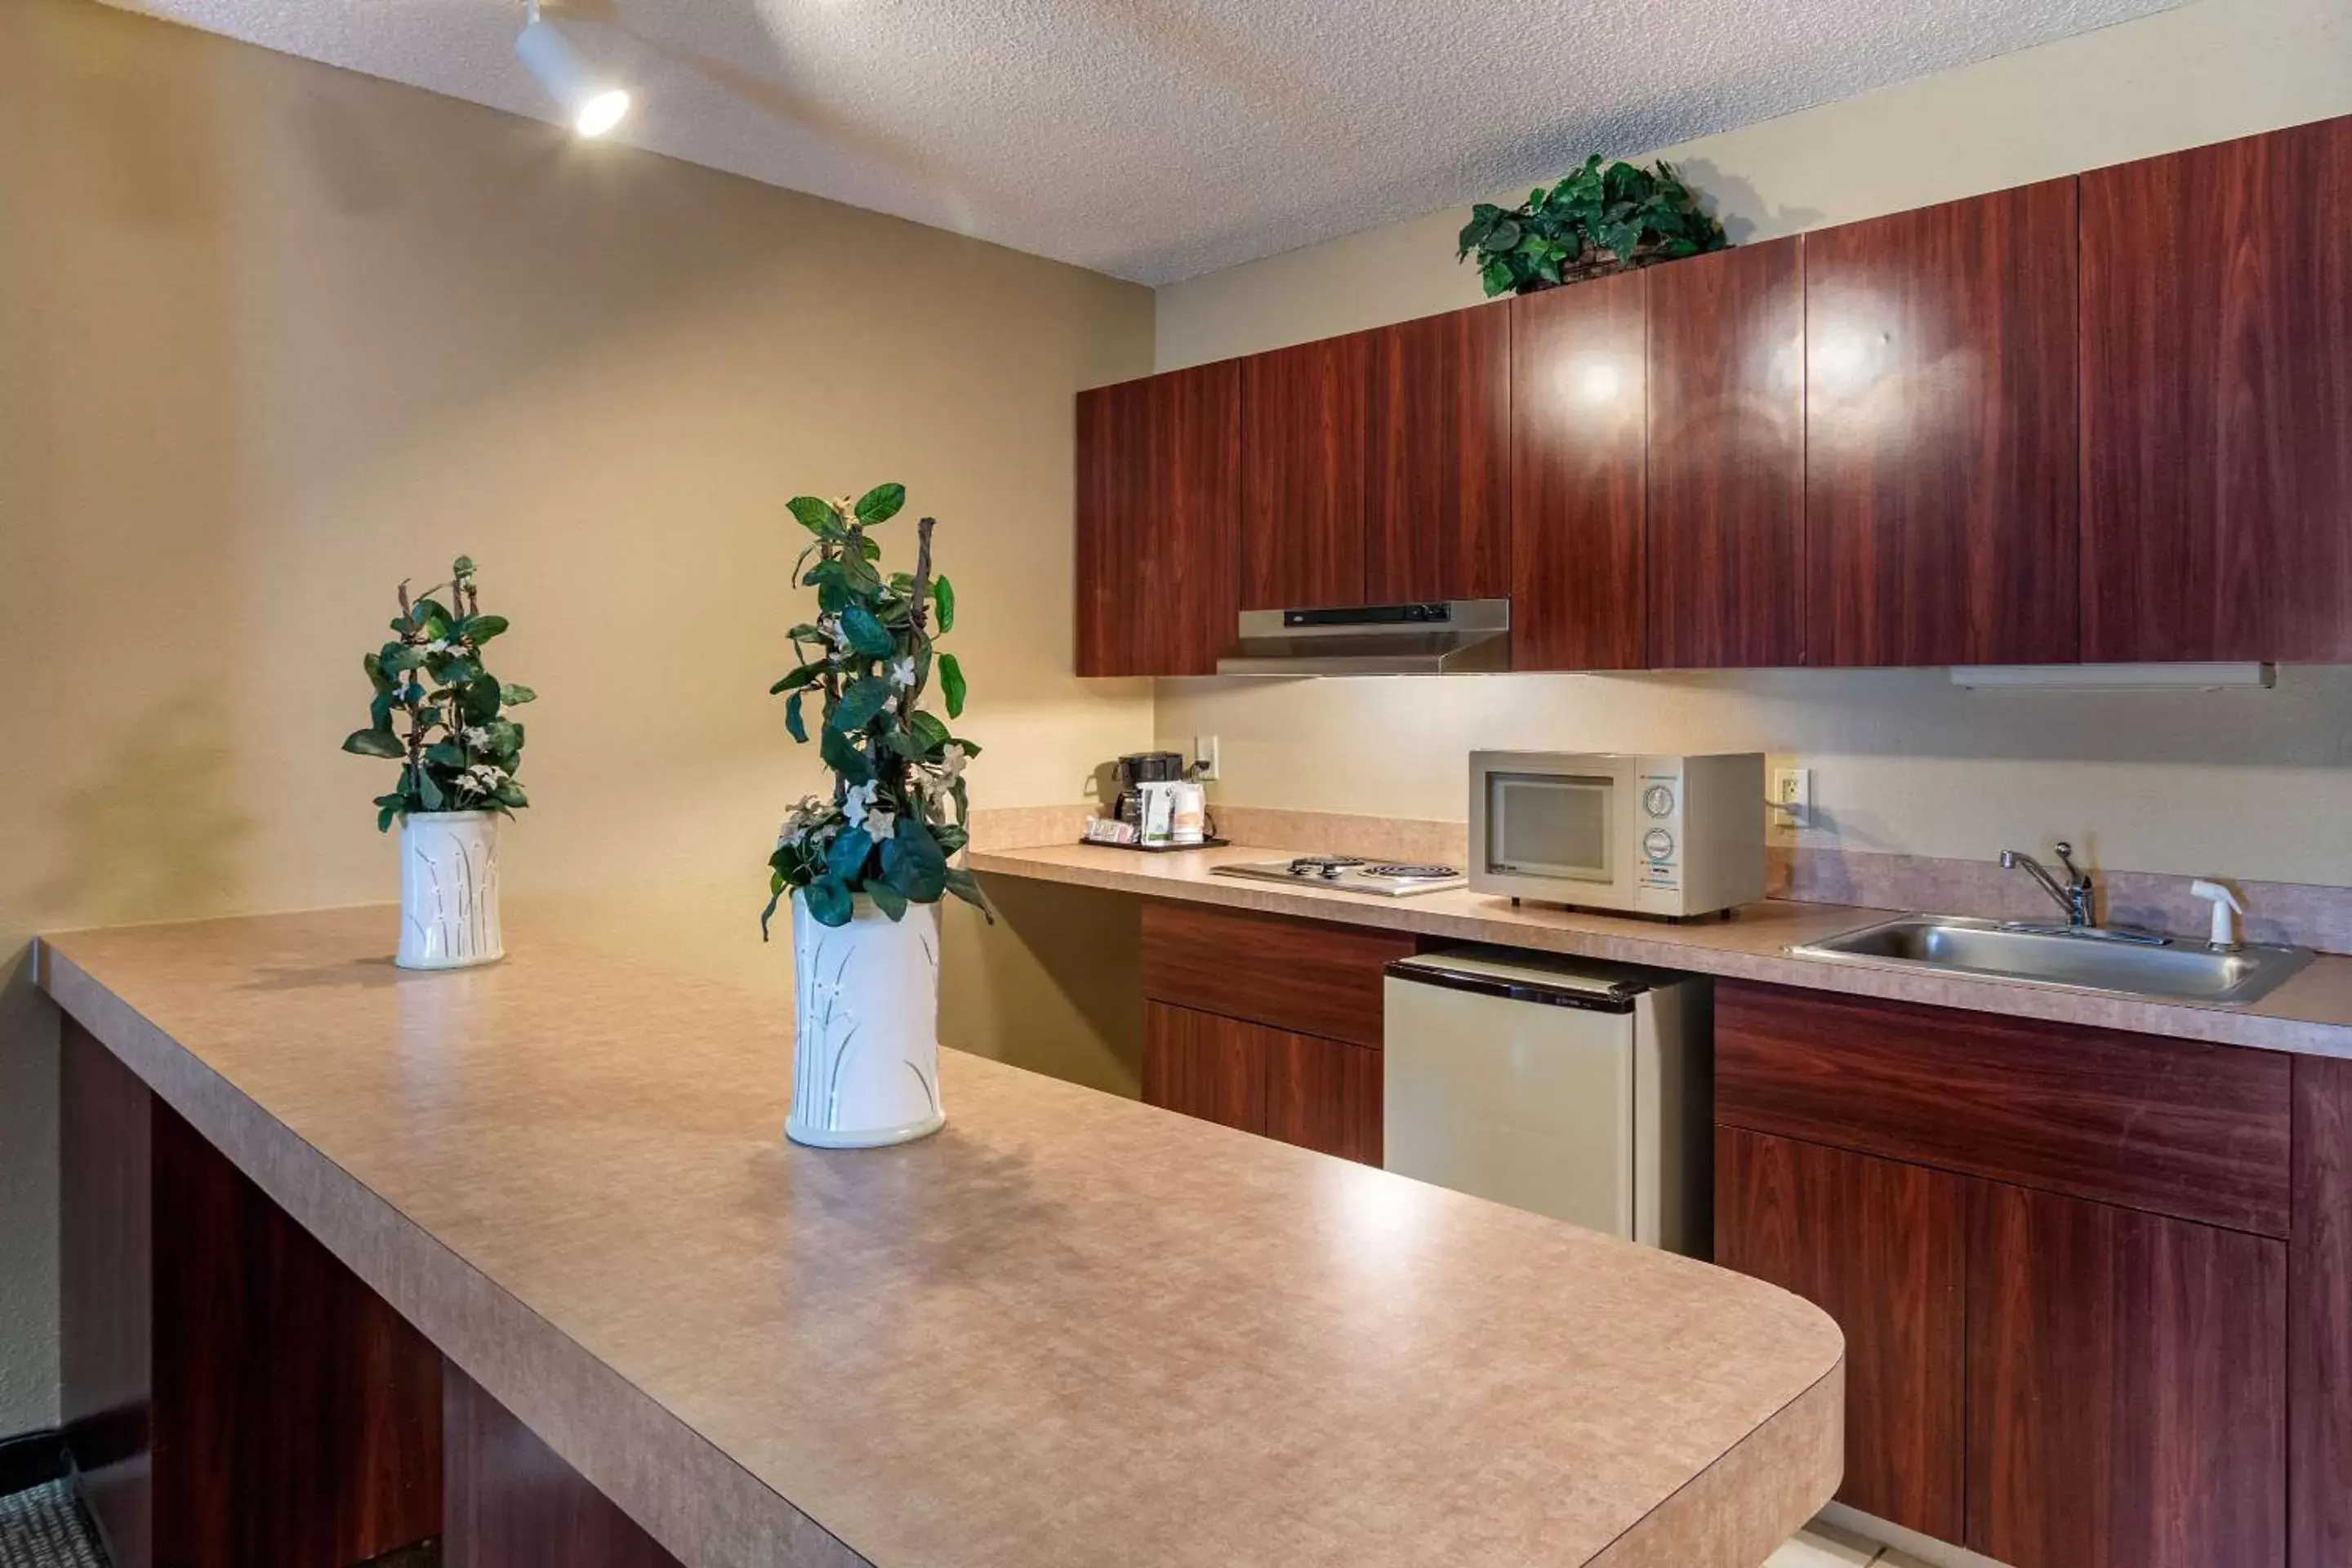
1577,432
2217,396
1438,478
2127,1387
1725,539
1940,421
1878,1246
1159,522
1303,453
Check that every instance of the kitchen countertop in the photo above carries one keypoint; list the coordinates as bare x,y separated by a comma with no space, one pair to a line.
2311,1013
1069,1329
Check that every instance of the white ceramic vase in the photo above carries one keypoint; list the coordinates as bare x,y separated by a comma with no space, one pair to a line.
866,1051
449,890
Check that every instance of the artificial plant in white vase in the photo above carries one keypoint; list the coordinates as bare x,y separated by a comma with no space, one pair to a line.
867,864
439,714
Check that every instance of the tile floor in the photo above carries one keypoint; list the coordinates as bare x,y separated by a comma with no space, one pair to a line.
1822,1546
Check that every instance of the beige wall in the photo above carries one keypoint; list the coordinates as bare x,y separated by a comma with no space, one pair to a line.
2205,72
2245,784
273,336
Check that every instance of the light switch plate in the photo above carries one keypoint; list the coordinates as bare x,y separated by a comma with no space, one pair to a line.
1205,757
1792,796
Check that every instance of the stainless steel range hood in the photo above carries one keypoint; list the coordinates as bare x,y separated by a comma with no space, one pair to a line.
1442,636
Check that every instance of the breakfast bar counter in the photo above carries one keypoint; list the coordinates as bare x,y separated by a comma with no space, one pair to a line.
1069,1330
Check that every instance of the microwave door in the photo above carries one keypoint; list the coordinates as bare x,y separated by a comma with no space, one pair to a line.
1561,825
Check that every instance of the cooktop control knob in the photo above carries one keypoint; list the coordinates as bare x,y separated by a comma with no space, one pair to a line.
1658,843
1658,801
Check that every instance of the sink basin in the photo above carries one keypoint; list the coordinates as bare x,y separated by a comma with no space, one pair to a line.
2171,971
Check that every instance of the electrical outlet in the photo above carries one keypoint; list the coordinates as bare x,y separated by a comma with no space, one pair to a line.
1205,757
1792,796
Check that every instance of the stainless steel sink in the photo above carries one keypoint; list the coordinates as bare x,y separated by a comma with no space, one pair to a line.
2082,959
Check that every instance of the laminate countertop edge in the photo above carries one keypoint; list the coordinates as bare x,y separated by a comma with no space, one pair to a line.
608,1429
2310,1015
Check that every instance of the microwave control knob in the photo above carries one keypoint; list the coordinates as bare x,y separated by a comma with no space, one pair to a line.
1658,843
1658,801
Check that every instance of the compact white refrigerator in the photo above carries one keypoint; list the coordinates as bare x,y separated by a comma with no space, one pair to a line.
1577,1090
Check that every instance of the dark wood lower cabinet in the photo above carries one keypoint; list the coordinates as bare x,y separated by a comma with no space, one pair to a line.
514,1503
2127,1387
1319,1094
2319,1319
234,1394
1878,1246
1324,1095
2119,1395
1205,1066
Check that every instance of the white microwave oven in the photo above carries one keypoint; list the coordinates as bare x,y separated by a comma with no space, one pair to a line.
1649,835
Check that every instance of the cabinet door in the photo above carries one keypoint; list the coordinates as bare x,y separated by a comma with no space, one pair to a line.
1726,506
1303,453
2319,1332
1324,1095
1159,500
1438,483
1940,475
1205,1066
2127,1387
1577,376
2217,392
1877,1245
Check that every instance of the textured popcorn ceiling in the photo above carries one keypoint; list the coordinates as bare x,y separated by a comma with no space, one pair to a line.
1158,138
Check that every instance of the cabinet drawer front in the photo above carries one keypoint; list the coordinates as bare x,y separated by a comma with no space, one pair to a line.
1300,975
2194,1130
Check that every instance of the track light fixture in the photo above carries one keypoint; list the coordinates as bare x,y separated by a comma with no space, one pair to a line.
594,106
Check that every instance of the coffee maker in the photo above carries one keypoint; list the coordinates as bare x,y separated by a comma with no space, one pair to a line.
1142,768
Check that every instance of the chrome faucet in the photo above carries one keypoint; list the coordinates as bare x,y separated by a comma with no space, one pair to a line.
2075,895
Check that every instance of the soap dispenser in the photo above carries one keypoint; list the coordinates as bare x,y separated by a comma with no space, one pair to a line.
2226,911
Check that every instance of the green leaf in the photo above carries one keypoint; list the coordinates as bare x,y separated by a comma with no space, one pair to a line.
398,657
964,886
510,793
887,899
481,628
478,699
913,862
841,754
943,597
865,697
377,677
448,753
866,634
928,728
462,567
1502,237
951,684
511,696
845,858
951,838
807,675
428,791
1496,276
793,725
817,516
881,503
379,742
456,671
829,903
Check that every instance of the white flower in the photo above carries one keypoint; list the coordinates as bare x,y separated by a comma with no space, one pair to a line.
478,738
804,814
859,800
481,779
951,762
902,672
879,823
439,645
831,627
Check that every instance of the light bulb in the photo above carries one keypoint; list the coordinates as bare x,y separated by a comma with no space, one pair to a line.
594,107
602,113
